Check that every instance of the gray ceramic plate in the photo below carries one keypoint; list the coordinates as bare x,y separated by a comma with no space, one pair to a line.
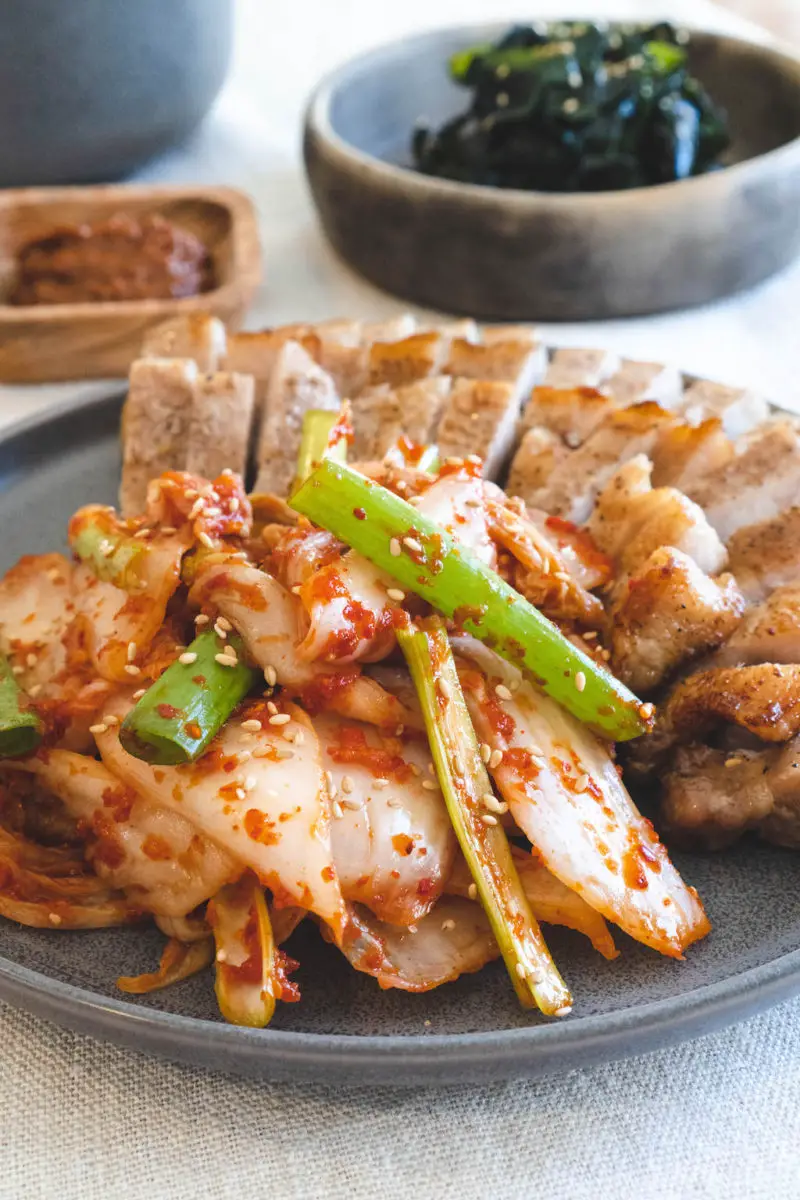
346,1030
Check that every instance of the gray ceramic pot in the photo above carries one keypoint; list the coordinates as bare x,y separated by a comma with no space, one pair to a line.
91,89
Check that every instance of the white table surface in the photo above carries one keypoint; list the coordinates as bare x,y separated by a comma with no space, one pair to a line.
717,1117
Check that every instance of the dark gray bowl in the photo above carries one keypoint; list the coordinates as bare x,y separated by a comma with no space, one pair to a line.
91,89
509,255
346,1030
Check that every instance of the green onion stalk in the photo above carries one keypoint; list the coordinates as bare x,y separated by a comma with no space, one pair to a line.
20,725
177,717
426,560
472,807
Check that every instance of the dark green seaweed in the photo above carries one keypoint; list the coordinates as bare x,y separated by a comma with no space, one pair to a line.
577,107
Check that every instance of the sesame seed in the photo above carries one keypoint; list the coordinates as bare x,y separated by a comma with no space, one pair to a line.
225,660
299,737
733,762
393,804
283,754
111,720
137,695
347,784
250,783
240,793
474,459
132,669
486,752
336,809
502,692
212,511
187,658
580,680
224,623
17,670
131,651
168,529
494,805
205,539
202,619
445,689
271,676
430,786
399,730
495,758
190,493
245,739
54,918
581,783
31,660
413,545
280,719
54,575
381,783
395,594
448,924
222,956
431,769
272,707
473,503
106,548
646,710
501,99
196,508
34,691
220,631
244,756
353,805
564,1011
472,891
252,725
454,461
100,728
488,819
142,533
297,589
412,928
394,547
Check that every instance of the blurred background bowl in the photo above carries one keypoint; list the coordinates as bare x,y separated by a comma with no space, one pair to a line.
91,89
501,254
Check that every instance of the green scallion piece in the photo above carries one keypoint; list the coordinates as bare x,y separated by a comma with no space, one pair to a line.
20,725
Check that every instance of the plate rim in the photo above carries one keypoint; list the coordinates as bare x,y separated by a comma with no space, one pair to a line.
428,1057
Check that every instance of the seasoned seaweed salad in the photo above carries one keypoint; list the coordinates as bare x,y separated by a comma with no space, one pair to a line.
577,107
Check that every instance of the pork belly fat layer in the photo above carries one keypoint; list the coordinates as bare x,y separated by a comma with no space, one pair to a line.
220,425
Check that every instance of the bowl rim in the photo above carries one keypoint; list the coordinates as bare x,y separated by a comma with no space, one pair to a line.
319,128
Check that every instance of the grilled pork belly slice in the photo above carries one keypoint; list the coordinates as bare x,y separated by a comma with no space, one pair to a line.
220,425
634,382
668,612
572,368
399,362
382,416
197,336
769,633
479,417
572,413
520,359
763,700
296,385
710,804
577,481
739,409
757,485
685,454
155,425
767,555
632,519
537,456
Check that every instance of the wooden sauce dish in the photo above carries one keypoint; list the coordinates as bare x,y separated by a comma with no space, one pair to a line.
47,342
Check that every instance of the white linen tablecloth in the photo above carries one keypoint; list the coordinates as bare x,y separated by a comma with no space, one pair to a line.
716,1117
